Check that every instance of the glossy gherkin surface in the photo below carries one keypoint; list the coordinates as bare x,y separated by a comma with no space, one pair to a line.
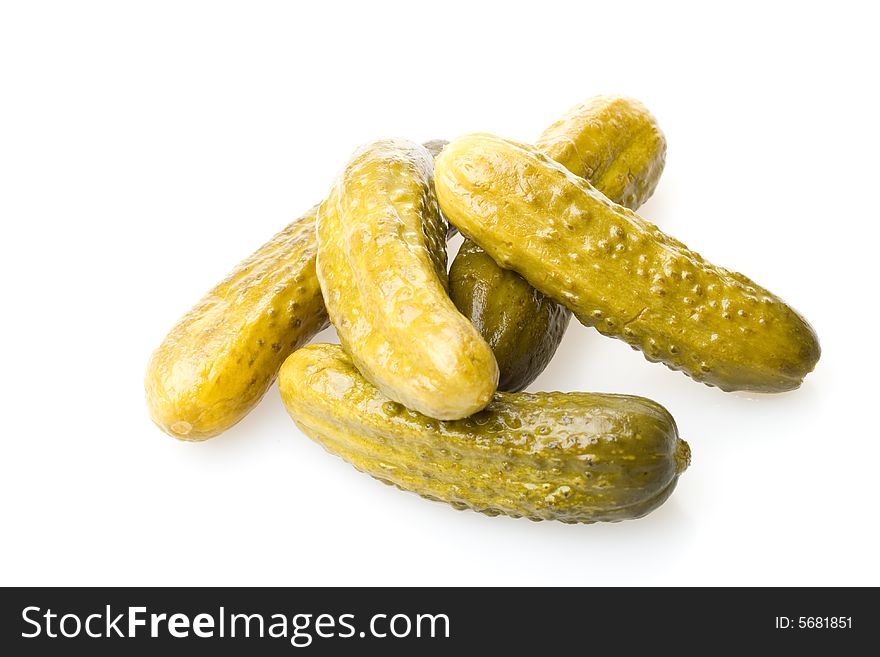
619,273
612,141
382,269
523,326
615,143
573,457
217,362
221,357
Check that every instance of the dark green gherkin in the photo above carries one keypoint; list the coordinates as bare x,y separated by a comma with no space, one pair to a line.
616,144
522,326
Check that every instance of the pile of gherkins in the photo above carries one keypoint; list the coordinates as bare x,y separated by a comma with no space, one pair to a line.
424,390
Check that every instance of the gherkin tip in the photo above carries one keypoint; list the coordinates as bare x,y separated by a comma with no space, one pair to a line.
682,456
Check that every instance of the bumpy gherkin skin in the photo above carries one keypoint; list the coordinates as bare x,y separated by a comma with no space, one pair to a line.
612,141
618,272
221,357
573,457
382,268
615,143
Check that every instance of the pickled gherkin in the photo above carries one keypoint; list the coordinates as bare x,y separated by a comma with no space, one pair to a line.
221,357
612,141
619,273
523,326
382,269
615,143
216,363
573,457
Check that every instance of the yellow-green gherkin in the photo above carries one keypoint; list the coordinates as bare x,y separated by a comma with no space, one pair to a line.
222,356
382,269
573,457
615,143
619,273
217,362
612,141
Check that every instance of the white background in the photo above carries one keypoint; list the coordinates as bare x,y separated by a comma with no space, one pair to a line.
147,147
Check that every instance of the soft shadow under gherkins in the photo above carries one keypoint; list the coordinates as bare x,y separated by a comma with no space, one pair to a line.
615,143
572,457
